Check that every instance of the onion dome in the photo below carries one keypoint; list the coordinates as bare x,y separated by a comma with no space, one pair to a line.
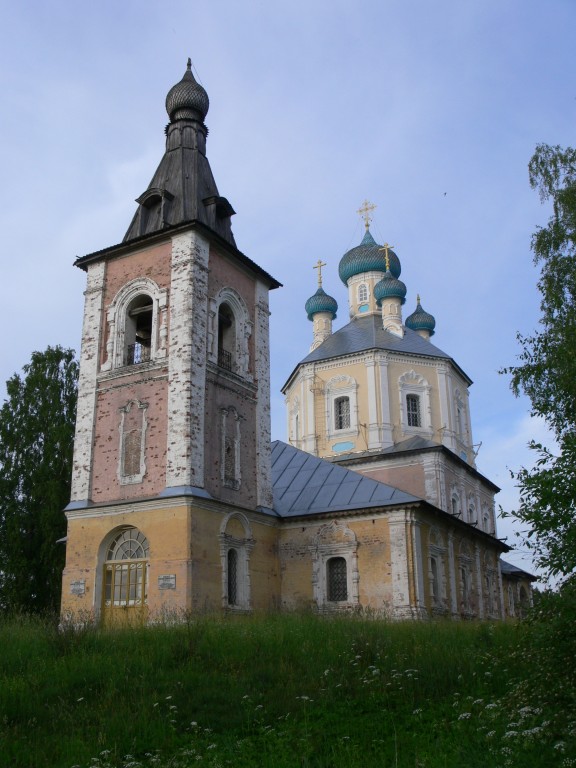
389,287
420,320
367,257
321,302
187,100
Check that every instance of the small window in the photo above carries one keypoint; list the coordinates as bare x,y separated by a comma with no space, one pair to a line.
138,333
337,580
342,412
413,411
232,577
362,293
226,337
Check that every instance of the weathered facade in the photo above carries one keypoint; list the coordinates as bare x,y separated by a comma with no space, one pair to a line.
179,500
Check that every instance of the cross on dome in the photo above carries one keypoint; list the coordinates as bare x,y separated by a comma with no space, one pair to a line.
386,247
365,209
319,266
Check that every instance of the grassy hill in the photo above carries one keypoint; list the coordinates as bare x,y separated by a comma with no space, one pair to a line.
276,691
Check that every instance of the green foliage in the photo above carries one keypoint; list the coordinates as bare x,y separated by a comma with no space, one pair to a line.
546,372
252,691
36,441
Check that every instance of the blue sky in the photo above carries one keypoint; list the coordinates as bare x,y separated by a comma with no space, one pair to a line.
429,110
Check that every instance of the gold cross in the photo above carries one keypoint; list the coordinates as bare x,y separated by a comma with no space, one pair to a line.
386,248
319,266
365,210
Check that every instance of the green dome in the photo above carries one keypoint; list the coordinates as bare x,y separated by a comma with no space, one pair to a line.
367,257
420,320
388,287
321,302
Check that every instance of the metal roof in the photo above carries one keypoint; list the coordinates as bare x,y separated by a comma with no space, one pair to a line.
307,485
508,569
365,333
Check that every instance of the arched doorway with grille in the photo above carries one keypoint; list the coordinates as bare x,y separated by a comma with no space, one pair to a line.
125,578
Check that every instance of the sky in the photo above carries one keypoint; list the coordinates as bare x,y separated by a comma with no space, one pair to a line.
431,111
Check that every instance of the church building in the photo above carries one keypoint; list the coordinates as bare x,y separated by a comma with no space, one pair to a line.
180,502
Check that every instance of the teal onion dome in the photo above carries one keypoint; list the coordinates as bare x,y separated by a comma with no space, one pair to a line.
187,100
420,320
389,287
367,257
321,302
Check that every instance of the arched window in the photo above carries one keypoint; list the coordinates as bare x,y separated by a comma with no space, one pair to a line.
335,574
137,325
341,406
125,570
229,332
138,331
236,544
232,577
336,580
226,337
342,413
455,502
413,411
362,293
415,406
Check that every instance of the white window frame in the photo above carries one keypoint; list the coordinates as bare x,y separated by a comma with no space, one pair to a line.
412,383
123,478
117,316
363,293
104,560
336,387
243,328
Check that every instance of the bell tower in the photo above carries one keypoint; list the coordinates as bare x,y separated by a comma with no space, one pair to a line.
174,401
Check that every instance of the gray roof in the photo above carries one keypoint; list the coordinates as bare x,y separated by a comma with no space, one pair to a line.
508,569
307,485
365,333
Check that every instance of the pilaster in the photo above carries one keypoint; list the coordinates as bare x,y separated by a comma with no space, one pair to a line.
187,361
262,377
87,383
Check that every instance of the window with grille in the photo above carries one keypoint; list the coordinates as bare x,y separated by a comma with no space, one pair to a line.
125,569
226,337
138,331
413,410
342,413
362,293
337,580
232,577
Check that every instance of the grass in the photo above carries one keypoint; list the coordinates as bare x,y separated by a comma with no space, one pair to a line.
274,691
